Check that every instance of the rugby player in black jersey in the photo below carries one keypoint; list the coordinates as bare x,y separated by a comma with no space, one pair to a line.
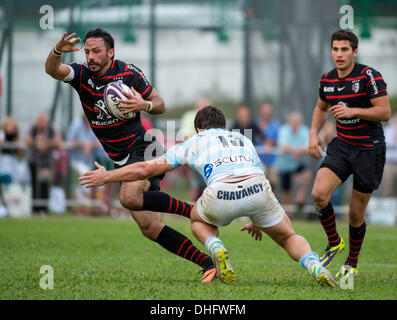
125,141
356,96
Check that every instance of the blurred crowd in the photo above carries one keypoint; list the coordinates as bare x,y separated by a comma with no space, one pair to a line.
48,162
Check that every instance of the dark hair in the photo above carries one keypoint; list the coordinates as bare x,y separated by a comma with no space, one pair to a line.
209,117
100,33
345,35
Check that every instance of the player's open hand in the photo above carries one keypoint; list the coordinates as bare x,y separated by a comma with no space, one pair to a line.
133,103
316,146
253,231
94,178
67,43
340,111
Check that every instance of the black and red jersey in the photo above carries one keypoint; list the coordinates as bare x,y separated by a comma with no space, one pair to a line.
118,137
356,91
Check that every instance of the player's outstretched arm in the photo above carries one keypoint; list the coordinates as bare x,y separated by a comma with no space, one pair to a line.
133,172
53,65
320,116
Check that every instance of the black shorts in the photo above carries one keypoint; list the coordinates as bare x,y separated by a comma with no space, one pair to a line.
286,177
365,165
146,150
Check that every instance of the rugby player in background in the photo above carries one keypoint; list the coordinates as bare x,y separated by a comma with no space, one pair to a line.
356,96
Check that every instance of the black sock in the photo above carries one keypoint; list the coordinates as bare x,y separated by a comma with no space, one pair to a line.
162,202
356,239
177,243
327,219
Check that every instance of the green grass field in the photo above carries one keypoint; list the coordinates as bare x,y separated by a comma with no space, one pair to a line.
108,258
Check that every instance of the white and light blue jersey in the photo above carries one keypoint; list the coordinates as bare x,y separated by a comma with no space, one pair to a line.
217,154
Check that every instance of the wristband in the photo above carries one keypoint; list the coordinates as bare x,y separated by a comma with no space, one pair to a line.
149,106
57,53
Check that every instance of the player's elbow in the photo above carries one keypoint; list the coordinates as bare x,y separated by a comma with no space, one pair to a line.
50,71
387,114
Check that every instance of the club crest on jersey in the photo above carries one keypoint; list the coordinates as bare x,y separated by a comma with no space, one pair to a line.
356,87
103,112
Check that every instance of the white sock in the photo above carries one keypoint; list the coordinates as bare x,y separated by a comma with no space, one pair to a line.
212,243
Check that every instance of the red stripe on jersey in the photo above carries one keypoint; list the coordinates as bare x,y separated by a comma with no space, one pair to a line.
114,76
347,95
347,79
353,137
374,79
144,92
355,144
352,128
362,71
126,67
113,154
133,142
89,108
92,92
378,92
111,125
116,140
111,67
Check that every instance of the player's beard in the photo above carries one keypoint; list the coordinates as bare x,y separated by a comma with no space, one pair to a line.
98,67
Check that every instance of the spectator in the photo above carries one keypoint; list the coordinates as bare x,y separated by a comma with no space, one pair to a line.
12,167
82,143
269,128
187,120
196,182
293,142
42,139
389,188
244,124
9,137
83,148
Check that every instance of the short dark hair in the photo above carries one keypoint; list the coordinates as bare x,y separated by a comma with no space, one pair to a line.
345,35
100,33
209,117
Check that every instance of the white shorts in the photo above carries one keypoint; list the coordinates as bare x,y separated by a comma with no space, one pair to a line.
222,202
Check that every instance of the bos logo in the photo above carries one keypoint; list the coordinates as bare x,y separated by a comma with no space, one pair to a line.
208,170
329,89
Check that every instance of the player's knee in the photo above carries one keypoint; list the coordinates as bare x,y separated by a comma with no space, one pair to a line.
131,202
356,217
320,199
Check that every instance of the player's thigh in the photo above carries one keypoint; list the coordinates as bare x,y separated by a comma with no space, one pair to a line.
325,184
357,206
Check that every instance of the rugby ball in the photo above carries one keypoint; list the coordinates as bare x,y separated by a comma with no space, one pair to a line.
111,96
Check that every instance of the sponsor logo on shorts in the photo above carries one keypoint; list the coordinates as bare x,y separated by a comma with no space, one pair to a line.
240,194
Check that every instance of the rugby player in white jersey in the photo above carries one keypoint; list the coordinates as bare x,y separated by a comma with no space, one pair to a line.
236,187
